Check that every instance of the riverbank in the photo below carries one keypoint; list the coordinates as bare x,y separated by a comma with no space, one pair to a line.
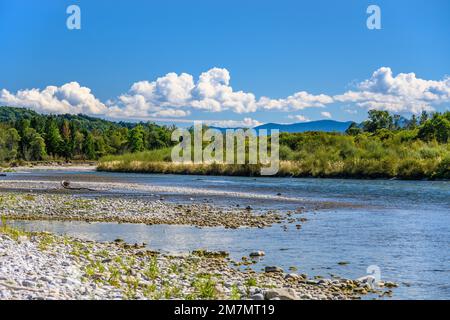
107,199
47,165
399,226
46,266
355,169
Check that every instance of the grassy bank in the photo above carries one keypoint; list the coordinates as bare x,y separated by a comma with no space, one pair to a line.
326,155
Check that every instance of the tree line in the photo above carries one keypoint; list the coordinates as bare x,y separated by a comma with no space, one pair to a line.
27,135
426,127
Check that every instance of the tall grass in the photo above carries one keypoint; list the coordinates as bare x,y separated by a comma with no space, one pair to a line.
326,155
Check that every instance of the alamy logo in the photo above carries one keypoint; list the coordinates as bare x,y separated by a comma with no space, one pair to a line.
73,22
242,147
374,20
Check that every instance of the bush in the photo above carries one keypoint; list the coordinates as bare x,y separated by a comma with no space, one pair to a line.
411,169
443,169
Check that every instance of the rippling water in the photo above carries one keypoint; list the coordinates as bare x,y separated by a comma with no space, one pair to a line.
403,227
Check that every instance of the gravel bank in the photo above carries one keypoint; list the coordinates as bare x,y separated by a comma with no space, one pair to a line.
45,266
30,206
52,186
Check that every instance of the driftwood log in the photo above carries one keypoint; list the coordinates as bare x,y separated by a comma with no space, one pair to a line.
66,185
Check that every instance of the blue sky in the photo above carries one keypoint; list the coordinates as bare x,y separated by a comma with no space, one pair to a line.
310,59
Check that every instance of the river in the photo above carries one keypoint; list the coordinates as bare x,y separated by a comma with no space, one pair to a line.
401,227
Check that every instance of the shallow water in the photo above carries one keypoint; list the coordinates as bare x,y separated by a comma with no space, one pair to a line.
403,227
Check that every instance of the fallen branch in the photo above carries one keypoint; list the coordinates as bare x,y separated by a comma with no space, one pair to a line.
66,185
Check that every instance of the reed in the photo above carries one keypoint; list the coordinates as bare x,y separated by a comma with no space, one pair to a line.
322,155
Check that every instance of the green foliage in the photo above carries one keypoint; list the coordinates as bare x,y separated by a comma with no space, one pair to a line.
384,146
152,271
378,120
9,144
436,128
12,232
205,287
387,151
27,135
137,139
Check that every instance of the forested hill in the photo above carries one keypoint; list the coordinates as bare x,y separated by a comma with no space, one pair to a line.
14,115
28,135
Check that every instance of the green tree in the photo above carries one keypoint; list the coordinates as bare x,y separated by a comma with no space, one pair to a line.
118,140
53,138
67,146
412,124
89,147
78,142
9,143
353,130
137,139
37,148
34,149
12,140
423,117
436,128
378,120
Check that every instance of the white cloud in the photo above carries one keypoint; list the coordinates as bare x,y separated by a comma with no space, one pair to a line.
402,93
170,90
298,101
178,95
69,98
245,123
326,114
299,117
172,113
212,92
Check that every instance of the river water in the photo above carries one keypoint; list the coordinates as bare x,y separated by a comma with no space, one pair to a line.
402,227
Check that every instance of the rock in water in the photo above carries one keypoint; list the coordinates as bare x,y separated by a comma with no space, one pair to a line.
273,269
257,254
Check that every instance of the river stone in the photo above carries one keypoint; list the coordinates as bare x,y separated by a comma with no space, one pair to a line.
257,254
292,276
388,284
282,294
28,284
273,269
258,296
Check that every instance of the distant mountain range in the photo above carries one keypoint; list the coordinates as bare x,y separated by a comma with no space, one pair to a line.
321,125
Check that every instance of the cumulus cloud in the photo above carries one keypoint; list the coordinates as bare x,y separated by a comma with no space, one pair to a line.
244,123
297,101
402,93
326,114
69,98
212,92
172,113
178,95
